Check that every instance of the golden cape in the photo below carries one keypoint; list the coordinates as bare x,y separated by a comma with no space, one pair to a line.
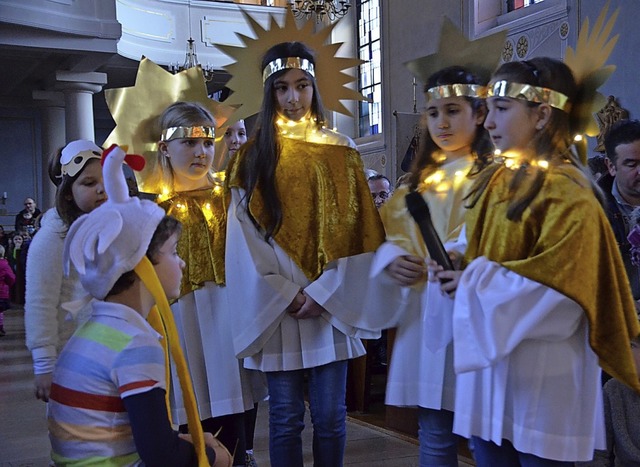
446,205
203,214
565,242
327,209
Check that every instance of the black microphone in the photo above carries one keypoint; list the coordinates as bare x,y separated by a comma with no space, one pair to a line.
419,209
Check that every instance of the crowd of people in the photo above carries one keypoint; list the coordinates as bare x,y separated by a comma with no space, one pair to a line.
15,247
262,282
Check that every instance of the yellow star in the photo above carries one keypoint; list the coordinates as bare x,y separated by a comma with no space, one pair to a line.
588,64
246,81
136,110
480,56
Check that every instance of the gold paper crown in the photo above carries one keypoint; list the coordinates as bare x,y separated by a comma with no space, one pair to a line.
246,75
480,56
530,93
136,111
588,64
456,90
280,64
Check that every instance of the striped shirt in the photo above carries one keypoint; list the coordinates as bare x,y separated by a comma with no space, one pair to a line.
114,355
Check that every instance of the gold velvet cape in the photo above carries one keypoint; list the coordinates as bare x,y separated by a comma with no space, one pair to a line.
203,214
565,242
327,209
446,204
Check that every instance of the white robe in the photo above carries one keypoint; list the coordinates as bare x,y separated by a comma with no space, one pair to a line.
221,384
525,370
421,368
262,280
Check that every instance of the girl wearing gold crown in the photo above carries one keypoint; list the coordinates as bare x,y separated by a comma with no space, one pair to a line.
301,229
224,389
544,299
421,368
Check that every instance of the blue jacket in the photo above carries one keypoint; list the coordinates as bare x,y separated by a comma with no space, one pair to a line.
621,230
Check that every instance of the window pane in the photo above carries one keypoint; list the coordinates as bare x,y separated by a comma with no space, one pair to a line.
370,73
517,4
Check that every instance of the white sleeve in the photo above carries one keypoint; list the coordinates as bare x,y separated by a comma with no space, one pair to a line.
495,309
43,289
342,290
258,291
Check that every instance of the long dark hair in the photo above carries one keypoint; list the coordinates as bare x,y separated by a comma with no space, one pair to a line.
481,145
258,167
552,143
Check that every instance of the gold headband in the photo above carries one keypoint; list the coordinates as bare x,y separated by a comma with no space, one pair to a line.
456,90
178,132
504,88
280,64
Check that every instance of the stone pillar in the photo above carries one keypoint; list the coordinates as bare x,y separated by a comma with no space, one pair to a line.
78,91
53,138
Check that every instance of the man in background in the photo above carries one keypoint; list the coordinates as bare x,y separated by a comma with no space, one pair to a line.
26,219
380,187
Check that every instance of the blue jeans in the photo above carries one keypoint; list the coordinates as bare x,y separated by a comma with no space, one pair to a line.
489,454
327,391
438,444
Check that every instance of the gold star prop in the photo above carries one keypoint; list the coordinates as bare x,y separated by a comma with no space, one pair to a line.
480,56
137,109
588,64
246,75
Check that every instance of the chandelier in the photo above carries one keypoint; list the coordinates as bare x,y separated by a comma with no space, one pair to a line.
191,60
331,9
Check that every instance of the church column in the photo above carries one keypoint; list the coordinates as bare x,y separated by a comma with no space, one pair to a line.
78,91
53,138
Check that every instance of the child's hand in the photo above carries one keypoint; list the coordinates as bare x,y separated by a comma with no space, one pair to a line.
223,457
310,309
448,279
42,386
407,270
296,303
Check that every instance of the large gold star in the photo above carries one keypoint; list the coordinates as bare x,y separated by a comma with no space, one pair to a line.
588,64
137,109
246,81
480,56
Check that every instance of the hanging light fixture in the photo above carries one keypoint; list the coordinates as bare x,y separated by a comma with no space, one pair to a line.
331,9
191,58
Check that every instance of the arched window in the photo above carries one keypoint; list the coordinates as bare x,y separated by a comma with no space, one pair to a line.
369,73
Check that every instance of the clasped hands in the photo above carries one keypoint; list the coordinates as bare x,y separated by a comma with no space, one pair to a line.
304,307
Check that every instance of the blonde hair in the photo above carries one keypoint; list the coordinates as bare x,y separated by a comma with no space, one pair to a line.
181,114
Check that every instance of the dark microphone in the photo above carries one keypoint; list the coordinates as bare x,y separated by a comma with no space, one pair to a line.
419,209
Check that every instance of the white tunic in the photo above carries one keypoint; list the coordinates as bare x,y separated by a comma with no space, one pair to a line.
220,383
263,280
421,368
525,369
